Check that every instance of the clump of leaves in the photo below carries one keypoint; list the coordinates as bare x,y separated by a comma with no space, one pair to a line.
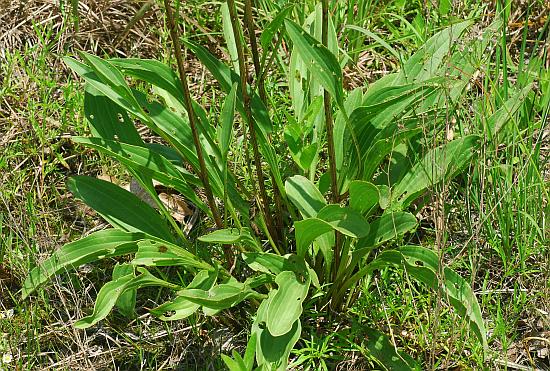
320,251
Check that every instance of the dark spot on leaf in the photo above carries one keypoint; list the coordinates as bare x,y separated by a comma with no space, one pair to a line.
163,249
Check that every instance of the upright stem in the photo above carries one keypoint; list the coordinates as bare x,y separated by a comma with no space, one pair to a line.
243,71
330,139
203,174
249,20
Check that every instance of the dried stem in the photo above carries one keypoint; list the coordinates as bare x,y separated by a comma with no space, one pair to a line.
330,139
203,174
260,74
243,71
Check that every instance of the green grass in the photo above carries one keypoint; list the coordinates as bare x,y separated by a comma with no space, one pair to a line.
496,234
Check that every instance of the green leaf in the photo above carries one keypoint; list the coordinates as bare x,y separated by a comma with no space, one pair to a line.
227,118
232,364
272,352
126,303
331,217
179,308
304,195
363,196
107,119
226,78
250,352
387,227
119,207
149,162
99,245
219,297
425,63
266,38
285,307
423,265
345,220
319,60
229,36
506,113
111,291
440,163
385,353
159,254
231,236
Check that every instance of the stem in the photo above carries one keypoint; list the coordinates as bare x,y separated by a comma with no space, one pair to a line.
203,174
249,20
260,74
243,71
330,140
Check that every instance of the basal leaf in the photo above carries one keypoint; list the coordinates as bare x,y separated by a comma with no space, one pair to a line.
122,209
111,291
285,307
99,245
304,195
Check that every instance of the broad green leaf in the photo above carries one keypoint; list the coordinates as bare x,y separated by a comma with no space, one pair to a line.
307,231
233,364
345,220
179,308
440,163
425,63
285,307
107,119
273,263
152,71
119,207
114,91
319,60
232,236
382,148
126,303
331,217
111,291
304,195
250,352
272,352
219,297
99,245
144,160
387,227
363,196
159,254
386,354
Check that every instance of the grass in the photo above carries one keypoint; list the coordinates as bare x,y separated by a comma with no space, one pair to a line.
496,216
